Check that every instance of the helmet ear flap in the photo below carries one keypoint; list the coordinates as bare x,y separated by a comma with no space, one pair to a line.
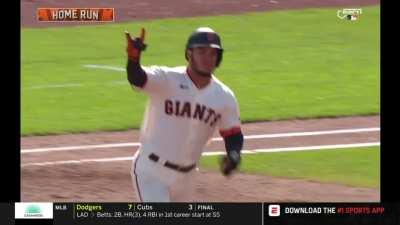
219,57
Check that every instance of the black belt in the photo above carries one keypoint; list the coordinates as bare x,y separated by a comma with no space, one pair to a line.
173,166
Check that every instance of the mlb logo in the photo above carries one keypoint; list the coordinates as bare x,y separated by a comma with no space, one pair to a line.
274,210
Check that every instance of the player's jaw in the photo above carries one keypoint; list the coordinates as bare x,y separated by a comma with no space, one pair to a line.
203,60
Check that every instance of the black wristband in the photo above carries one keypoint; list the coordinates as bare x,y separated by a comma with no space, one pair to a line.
233,145
136,75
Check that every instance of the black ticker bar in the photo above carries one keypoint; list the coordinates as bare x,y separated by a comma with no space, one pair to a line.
214,213
6,213
157,213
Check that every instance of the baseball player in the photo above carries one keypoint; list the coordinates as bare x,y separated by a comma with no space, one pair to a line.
186,105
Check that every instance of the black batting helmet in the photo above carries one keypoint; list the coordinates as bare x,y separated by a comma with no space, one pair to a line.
205,37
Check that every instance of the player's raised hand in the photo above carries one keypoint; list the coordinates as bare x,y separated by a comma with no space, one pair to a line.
135,45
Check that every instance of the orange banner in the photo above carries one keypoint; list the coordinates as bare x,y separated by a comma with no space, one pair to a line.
75,14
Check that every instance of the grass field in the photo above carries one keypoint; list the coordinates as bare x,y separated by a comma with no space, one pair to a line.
353,167
286,64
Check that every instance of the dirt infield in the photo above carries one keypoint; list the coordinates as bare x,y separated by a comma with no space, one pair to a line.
152,9
110,181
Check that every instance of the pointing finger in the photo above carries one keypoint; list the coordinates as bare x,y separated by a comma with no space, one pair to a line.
128,36
142,34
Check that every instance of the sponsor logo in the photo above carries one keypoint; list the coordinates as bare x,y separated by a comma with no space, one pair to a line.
33,210
274,210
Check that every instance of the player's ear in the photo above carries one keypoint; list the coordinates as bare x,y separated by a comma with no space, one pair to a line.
189,53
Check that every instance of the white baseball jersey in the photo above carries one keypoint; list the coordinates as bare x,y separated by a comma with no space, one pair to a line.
181,118
179,121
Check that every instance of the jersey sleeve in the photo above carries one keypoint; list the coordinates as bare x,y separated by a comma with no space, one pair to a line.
157,80
230,118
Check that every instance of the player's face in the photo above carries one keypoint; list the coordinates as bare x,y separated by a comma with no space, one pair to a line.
204,59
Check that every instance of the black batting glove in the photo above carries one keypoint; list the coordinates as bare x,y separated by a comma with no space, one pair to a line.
230,162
